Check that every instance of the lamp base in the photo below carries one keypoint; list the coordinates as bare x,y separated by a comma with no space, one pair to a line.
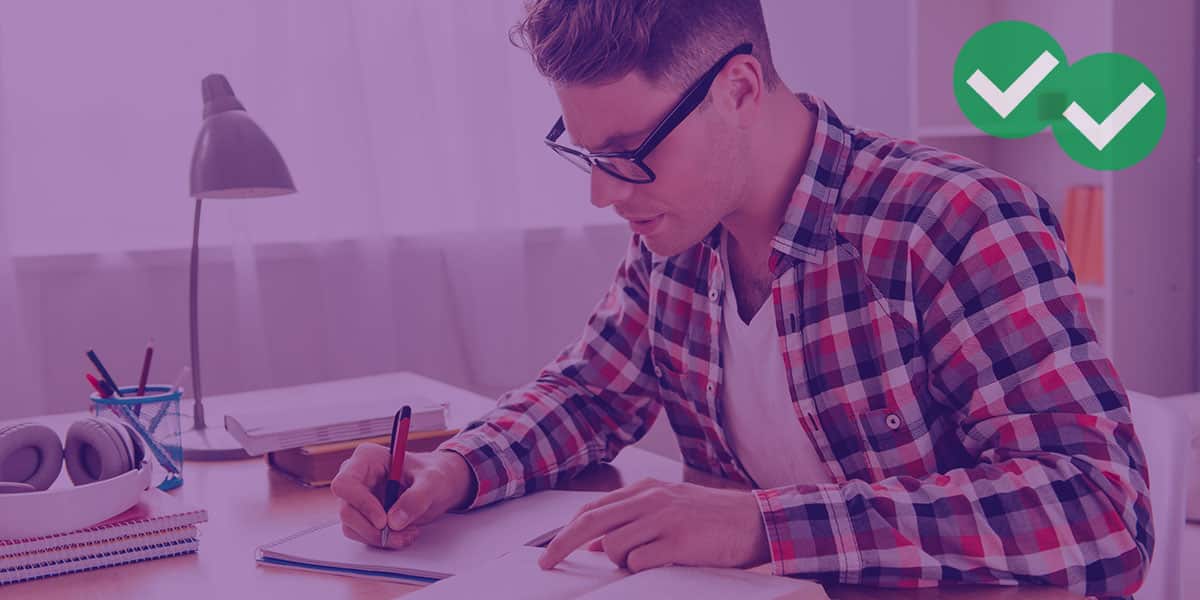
210,444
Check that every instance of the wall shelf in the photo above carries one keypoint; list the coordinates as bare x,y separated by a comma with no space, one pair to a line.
1149,328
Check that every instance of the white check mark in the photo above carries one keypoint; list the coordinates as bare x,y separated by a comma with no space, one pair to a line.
1100,134
1003,102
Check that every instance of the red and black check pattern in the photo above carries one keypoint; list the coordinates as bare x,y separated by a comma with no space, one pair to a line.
941,361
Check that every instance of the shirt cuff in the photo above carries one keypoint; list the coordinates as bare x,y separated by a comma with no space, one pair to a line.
809,532
496,477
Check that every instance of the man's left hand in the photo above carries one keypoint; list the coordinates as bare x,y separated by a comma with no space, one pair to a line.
654,523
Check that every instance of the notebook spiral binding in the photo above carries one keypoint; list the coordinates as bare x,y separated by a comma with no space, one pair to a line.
80,551
161,549
92,535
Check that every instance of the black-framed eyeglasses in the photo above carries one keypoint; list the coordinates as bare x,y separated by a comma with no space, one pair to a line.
630,165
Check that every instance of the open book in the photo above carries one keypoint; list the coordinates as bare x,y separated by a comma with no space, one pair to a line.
592,576
451,544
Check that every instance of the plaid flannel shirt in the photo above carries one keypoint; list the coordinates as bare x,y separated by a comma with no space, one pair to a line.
940,359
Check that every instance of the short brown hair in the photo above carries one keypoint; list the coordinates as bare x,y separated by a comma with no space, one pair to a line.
671,41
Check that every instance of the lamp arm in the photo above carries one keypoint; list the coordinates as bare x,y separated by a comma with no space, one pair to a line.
198,406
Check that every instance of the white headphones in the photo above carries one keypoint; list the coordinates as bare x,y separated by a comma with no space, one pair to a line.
105,460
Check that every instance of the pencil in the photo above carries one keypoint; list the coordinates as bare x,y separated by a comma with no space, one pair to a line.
91,354
146,368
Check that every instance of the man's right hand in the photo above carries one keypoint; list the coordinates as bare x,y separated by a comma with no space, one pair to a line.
434,483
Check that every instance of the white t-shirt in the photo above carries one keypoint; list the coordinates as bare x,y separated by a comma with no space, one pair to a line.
760,422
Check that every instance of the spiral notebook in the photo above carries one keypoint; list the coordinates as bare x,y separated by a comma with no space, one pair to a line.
447,546
97,561
95,549
155,511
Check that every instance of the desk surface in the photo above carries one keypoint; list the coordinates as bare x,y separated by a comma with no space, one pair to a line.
249,504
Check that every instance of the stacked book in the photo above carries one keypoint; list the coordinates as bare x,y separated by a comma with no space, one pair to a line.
306,436
159,525
312,421
316,465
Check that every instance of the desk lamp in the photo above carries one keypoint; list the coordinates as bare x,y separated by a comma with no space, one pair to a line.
233,158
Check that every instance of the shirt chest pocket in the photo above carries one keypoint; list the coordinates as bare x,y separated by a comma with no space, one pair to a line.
897,445
887,430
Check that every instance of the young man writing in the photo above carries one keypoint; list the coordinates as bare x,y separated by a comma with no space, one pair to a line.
884,340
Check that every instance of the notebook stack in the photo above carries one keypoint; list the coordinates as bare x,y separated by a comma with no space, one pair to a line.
159,525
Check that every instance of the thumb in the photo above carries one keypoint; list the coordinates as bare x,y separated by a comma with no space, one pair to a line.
413,503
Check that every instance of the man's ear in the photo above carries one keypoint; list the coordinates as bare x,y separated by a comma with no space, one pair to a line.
739,90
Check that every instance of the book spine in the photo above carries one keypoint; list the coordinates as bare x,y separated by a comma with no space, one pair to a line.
107,560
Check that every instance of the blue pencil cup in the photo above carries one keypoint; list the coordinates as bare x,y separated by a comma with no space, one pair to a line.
154,417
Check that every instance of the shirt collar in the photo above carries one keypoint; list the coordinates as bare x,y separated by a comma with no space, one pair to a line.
807,229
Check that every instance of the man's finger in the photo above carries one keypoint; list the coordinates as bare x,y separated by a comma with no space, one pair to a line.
649,556
587,527
396,540
413,502
617,495
355,520
402,539
354,492
356,536
622,540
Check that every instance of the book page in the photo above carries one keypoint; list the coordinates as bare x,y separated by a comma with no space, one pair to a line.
592,576
517,576
703,583
449,545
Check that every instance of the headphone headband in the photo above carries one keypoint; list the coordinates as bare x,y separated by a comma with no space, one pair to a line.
66,509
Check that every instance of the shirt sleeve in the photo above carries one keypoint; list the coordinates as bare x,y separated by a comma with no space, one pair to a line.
597,397
1058,495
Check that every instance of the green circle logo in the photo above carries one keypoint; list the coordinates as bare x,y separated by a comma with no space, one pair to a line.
1107,111
1006,79
1115,115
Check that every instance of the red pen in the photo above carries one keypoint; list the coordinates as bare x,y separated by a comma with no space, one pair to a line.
102,389
395,477
96,385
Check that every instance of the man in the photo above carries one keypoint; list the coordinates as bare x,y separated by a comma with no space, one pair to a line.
884,340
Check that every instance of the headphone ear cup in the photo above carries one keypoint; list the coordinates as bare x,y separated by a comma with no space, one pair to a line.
30,453
96,450
135,446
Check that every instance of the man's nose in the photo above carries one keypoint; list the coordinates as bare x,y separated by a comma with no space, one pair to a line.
608,190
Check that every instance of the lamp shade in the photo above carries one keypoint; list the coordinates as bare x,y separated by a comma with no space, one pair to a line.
233,157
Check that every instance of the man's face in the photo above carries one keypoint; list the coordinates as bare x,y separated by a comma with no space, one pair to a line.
694,166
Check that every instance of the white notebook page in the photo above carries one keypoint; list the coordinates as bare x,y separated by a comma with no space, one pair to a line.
451,544
517,576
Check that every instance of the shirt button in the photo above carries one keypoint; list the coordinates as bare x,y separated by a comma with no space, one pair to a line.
658,371
713,294
892,421
711,388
